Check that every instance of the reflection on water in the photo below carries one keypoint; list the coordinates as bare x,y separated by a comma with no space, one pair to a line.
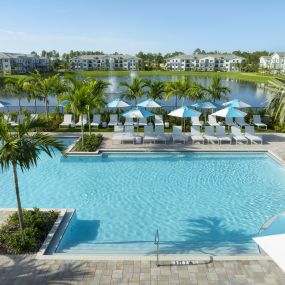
252,93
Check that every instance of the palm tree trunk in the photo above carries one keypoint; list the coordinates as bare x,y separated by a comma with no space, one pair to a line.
20,212
46,107
82,131
36,109
19,101
89,123
176,99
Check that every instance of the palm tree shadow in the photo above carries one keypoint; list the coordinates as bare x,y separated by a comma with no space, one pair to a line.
210,235
24,269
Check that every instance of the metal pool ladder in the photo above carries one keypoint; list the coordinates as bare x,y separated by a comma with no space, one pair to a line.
156,241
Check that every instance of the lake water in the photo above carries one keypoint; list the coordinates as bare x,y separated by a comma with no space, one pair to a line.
252,93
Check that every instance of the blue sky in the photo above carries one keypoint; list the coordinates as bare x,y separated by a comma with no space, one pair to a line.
129,26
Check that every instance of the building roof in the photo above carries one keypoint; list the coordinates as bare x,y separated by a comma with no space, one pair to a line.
17,55
114,56
201,56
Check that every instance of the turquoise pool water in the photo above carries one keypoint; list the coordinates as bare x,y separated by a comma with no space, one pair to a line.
210,203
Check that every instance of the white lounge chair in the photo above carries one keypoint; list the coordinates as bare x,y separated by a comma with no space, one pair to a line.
158,121
96,122
129,122
250,134
118,133
177,135
196,135
7,119
212,121
159,134
148,134
82,119
129,134
195,121
20,120
237,135
241,122
229,122
67,121
221,134
142,122
113,120
209,135
257,122
33,117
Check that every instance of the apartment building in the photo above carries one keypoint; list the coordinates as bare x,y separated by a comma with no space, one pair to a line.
202,62
105,62
275,62
16,63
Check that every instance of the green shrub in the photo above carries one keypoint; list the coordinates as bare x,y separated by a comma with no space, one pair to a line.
91,143
37,225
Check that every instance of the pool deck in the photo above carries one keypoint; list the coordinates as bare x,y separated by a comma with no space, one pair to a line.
272,142
27,269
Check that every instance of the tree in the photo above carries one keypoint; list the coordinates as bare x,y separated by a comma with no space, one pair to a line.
276,107
134,90
215,90
22,149
156,89
15,86
184,88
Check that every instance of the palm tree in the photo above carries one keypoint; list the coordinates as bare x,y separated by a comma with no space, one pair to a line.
96,96
134,90
156,89
30,86
216,91
22,149
276,107
184,88
78,100
15,86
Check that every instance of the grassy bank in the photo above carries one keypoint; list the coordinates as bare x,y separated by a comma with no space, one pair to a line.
252,77
249,76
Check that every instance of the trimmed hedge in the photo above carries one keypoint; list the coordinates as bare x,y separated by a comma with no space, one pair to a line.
37,225
91,143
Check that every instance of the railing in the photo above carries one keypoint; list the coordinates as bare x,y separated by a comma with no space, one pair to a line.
156,241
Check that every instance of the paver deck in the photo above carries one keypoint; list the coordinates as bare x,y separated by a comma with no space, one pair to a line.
27,270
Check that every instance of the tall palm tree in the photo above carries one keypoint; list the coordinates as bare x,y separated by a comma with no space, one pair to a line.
276,107
15,86
216,91
134,90
21,149
30,86
184,88
156,89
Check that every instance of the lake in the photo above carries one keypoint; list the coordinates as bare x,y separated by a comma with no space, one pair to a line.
252,93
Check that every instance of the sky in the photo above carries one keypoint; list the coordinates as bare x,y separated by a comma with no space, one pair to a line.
130,26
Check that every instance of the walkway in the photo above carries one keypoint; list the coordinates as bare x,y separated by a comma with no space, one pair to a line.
24,270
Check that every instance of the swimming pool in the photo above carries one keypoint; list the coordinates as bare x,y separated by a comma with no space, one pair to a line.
207,203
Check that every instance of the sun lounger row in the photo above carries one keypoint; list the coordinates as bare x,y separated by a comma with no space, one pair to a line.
19,120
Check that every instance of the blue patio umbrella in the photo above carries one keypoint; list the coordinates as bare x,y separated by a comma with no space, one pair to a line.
4,104
149,103
206,104
229,112
137,113
237,103
118,103
184,112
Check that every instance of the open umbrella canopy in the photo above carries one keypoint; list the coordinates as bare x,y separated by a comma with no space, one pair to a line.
137,113
237,103
184,112
149,103
272,239
229,112
63,103
4,104
118,103
206,104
